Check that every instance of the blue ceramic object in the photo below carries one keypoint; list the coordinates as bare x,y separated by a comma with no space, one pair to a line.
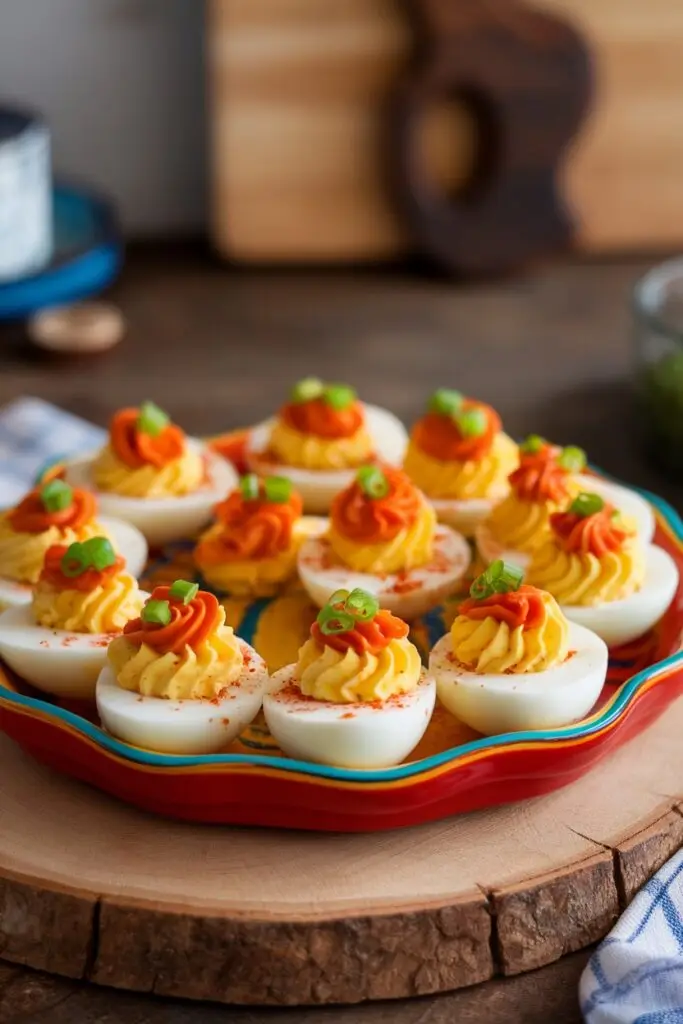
87,256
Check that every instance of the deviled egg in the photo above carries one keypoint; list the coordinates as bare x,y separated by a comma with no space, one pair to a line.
150,474
602,574
546,479
513,662
83,598
252,548
384,538
178,680
56,513
460,458
320,437
358,696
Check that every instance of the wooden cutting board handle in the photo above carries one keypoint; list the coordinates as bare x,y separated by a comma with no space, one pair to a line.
526,79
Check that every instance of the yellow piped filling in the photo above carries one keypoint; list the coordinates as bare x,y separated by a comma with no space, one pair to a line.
105,609
192,675
461,481
181,476
489,647
346,677
307,451
581,578
409,549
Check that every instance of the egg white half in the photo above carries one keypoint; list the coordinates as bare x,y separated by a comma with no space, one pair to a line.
619,622
53,660
407,594
626,500
348,735
183,726
162,520
464,516
318,487
500,703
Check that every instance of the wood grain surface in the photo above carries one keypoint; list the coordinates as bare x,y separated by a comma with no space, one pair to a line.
553,352
299,93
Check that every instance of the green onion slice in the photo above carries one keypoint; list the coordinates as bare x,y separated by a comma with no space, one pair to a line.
372,482
151,419
338,599
306,390
532,445
184,591
339,396
446,402
572,459
157,613
333,620
56,496
586,504
95,553
361,605
500,578
471,422
74,561
99,553
249,486
278,489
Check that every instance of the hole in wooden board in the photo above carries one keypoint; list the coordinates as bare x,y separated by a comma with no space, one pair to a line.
457,144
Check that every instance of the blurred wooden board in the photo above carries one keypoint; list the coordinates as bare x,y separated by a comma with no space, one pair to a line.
298,93
92,888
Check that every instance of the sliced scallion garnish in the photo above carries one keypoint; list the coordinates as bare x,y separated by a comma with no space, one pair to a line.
585,504
157,613
249,486
338,396
278,489
183,590
361,605
372,482
306,390
56,495
471,422
446,402
500,578
151,419
572,459
532,445
334,620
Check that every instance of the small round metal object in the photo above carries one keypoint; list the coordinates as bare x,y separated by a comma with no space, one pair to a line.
83,327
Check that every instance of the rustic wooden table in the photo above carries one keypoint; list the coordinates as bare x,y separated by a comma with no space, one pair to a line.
552,351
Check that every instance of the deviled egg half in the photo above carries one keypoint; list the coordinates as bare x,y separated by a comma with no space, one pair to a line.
83,599
546,479
320,437
153,476
252,548
602,574
384,538
56,513
178,680
460,458
513,662
358,696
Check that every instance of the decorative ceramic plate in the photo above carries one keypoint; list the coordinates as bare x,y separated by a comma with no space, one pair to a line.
452,771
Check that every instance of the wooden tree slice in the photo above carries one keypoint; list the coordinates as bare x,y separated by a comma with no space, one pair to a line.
92,888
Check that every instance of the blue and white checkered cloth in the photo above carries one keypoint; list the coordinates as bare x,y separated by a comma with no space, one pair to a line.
34,434
636,975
